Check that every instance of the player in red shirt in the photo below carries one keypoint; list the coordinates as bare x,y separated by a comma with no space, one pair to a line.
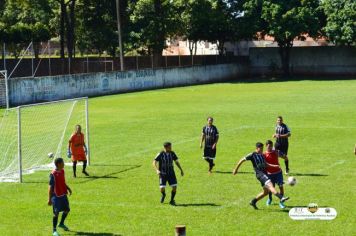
273,172
57,195
78,150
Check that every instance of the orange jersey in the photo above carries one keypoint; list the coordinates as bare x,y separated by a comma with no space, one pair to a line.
77,146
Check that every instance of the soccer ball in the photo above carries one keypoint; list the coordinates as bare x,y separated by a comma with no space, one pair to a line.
292,181
50,155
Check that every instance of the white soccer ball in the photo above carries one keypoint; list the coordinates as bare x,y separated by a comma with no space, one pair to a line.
50,155
292,181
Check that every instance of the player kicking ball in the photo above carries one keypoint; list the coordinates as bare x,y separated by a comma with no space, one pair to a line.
274,173
259,165
77,150
57,195
210,137
163,164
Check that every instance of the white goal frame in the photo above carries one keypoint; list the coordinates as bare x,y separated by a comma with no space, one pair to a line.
4,73
19,108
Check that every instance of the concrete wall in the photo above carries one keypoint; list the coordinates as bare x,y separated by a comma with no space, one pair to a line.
32,90
306,60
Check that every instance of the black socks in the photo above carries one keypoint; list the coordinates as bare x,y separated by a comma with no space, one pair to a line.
74,168
55,221
64,216
84,165
173,195
287,164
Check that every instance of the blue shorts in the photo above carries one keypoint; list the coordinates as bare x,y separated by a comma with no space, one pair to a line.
276,178
60,204
171,179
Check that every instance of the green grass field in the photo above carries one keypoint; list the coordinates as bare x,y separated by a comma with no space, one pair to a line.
122,196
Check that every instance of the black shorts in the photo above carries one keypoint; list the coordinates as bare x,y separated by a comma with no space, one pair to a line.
283,148
171,179
263,178
60,204
209,153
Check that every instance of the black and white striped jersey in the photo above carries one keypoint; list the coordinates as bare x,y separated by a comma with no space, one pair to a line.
258,161
211,134
165,162
282,129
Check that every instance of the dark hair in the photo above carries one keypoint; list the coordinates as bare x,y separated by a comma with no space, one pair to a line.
269,142
280,117
259,145
167,144
58,161
209,117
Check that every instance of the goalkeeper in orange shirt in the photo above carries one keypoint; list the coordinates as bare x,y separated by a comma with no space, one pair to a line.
77,150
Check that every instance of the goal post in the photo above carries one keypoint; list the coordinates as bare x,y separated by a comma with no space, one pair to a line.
4,89
29,133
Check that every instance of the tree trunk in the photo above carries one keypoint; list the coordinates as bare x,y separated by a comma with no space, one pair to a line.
159,42
36,49
191,47
70,19
221,45
284,53
62,27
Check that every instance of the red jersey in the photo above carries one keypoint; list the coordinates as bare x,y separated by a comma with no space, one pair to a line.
272,158
58,182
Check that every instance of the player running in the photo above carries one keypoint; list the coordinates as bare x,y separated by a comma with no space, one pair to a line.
259,165
281,135
210,137
274,173
78,150
57,195
165,170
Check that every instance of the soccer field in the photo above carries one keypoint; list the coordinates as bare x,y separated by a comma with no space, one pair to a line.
121,197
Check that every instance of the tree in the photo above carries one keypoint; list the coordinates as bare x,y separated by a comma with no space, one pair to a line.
220,27
193,24
285,21
97,26
341,24
153,21
24,22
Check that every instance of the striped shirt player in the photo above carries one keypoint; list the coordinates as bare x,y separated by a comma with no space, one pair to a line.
57,192
163,163
259,165
210,137
282,133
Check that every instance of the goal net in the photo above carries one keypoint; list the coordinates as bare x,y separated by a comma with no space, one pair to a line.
29,133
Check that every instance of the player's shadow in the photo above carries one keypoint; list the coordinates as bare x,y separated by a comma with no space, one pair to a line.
309,174
230,172
209,204
95,234
110,175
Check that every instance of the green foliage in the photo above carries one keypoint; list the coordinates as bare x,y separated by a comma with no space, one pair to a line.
153,21
341,21
96,26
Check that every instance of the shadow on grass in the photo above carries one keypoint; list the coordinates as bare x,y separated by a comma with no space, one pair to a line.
110,175
230,172
94,234
197,204
309,174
